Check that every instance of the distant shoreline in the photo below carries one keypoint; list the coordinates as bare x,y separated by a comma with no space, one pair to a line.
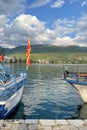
47,58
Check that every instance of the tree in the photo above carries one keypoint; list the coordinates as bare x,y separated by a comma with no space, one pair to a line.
20,60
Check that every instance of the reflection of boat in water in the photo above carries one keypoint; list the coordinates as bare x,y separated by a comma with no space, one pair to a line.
11,88
79,81
18,113
83,112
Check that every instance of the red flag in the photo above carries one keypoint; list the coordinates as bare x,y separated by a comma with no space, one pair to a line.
2,58
28,53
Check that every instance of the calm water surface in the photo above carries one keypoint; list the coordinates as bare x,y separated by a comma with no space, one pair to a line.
47,96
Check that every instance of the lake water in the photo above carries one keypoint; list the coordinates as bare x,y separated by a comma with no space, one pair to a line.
47,96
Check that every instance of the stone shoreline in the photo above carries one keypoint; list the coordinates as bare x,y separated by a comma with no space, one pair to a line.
31,124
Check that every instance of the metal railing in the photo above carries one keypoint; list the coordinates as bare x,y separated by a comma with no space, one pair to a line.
10,87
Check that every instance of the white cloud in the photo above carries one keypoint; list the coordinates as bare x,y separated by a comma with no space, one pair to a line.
39,3
3,20
17,32
11,7
81,35
57,4
81,38
76,30
84,3
82,23
64,27
73,1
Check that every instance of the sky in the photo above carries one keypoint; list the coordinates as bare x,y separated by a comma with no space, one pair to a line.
53,22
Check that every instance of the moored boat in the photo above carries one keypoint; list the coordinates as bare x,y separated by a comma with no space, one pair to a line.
11,88
79,81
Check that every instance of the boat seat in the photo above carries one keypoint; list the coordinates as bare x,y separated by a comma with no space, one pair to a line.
82,74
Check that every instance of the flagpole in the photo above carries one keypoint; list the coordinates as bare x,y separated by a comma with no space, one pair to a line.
28,55
26,67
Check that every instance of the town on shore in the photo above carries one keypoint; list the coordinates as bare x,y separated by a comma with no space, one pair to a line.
48,54
60,60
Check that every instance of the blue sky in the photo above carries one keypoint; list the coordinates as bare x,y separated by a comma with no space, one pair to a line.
53,22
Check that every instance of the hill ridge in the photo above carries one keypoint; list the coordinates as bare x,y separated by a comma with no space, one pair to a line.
46,48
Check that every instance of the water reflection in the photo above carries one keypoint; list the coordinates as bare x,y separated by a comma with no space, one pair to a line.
47,96
18,113
83,111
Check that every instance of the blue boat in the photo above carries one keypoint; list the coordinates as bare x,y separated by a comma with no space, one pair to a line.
79,81
11,88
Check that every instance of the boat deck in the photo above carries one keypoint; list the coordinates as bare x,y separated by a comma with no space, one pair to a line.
75,76
10,87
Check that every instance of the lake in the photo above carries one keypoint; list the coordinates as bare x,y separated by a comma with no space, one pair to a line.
47,96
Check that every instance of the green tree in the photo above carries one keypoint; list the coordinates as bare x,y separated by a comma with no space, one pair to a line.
20,60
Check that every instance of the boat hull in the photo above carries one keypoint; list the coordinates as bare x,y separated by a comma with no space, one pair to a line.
11,103
79,81
82,90
7,106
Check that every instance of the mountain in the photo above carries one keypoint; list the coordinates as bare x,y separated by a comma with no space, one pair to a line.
46,48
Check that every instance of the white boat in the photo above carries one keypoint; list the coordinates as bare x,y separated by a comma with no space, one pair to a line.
11,88
79,81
